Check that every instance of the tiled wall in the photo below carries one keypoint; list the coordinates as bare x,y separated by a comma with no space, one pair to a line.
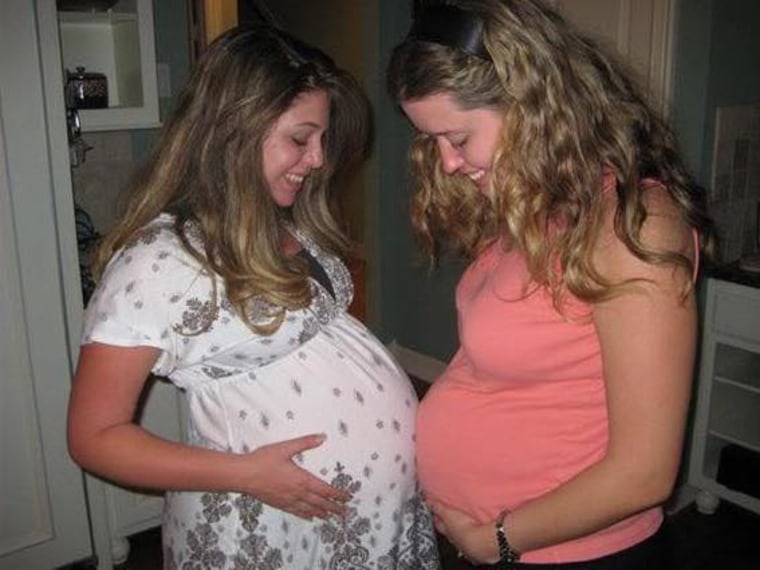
100,181
735,188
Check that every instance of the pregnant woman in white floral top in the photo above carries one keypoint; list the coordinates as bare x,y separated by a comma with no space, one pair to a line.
224,277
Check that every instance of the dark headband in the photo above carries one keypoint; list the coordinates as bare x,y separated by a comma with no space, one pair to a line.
450,26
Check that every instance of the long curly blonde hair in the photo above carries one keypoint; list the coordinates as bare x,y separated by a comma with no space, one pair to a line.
570,113
207,170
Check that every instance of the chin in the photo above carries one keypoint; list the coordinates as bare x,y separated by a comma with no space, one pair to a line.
285,199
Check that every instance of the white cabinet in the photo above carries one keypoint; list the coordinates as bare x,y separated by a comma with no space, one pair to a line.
120,44
728,401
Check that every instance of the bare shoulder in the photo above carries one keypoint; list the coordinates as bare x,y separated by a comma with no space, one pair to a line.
664,230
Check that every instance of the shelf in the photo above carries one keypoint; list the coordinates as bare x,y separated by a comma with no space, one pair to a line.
734,413
706,477
736,311
728,439
96,18
120,44
737,365
737,384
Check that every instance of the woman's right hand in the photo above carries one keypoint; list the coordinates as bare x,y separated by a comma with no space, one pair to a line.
278,481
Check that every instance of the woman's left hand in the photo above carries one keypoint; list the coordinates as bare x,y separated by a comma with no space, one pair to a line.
474,540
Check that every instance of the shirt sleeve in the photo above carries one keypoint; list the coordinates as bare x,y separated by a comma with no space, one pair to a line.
137,301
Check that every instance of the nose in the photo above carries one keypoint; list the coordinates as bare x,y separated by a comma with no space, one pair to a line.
315,156
451,158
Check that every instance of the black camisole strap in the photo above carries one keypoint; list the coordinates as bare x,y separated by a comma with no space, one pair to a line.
317,271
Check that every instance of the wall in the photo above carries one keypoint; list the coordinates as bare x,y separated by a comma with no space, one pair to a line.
692,61
734,70
416,306
718,66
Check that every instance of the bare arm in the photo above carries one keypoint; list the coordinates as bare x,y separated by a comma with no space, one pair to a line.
104,439
648,342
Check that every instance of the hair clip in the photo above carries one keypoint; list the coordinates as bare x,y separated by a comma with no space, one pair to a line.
450,26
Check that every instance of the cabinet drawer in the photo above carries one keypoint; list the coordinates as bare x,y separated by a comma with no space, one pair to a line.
736,312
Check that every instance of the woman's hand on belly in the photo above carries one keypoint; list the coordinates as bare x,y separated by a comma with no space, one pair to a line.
474,540
271,475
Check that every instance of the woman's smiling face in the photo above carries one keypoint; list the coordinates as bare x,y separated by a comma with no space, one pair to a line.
466,138
293,146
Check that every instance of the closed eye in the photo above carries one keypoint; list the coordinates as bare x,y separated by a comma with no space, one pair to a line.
458,142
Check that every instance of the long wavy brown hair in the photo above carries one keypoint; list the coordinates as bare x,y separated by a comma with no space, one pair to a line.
207,170
570,114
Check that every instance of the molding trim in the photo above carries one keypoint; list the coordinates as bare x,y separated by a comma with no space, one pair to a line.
417,364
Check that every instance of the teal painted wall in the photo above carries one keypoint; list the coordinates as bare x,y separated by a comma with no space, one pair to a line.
734,73
413,306
717,63
691,74
170,20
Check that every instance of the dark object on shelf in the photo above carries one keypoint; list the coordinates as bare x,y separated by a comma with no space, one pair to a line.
85,5
86,90
739,470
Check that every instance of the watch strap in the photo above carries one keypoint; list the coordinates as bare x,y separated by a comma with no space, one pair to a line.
507,554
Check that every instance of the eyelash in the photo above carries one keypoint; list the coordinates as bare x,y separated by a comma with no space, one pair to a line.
456,143
299,142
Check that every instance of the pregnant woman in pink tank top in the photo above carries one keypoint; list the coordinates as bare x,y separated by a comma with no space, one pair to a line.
554,435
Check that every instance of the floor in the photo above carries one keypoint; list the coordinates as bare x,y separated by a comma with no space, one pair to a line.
727,540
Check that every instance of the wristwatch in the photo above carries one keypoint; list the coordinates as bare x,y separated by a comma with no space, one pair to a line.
507,554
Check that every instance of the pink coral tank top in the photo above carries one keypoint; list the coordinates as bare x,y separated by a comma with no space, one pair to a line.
520,409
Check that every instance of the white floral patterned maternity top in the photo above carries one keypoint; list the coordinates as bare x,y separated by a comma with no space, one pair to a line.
322,371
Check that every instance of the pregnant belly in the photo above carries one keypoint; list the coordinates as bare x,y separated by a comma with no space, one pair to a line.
344,385
483,452
365,404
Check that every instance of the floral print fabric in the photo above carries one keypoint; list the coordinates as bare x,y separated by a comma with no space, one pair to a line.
321,372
